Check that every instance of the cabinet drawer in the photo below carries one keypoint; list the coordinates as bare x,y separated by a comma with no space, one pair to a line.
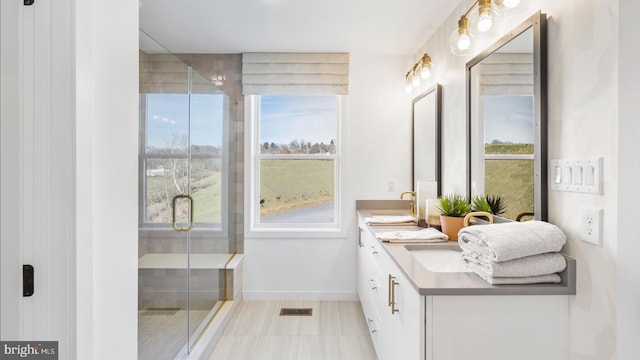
374,324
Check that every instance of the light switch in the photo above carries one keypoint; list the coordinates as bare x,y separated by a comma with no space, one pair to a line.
577,175
566,175
589,175
557,178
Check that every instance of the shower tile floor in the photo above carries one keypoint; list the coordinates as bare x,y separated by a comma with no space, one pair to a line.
162,332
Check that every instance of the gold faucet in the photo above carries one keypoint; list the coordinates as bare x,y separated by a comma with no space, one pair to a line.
411,204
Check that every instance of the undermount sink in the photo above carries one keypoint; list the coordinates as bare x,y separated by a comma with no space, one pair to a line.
438,258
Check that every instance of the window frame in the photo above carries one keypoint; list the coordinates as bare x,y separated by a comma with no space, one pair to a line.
219,228
255,228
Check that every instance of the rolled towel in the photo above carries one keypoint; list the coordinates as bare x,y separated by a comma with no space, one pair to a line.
540,279
507,241
391,220
424,235
533,265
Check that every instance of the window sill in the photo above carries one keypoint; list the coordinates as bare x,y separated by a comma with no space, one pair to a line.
295,233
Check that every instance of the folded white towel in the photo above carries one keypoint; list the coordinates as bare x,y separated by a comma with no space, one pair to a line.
540,279
391,219
533,265
507,241
424,235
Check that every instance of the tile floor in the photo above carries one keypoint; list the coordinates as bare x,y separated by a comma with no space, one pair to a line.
163,333
336,330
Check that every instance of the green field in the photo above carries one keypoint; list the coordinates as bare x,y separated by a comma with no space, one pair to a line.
511,179
286,184
206,194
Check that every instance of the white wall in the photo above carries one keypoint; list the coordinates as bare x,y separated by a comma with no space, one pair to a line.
583,113
106,106
628,266
377,146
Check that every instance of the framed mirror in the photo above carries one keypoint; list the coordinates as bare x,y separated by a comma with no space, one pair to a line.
426,114
507,122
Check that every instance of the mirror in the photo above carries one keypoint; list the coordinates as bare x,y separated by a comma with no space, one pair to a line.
426,113
507,122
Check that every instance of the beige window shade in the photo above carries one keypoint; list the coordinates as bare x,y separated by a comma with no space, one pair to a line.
295,73
507,74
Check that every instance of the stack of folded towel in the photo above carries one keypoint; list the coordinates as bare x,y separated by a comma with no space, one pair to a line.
424,235
514,253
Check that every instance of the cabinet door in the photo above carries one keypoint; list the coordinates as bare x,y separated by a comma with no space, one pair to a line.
403,318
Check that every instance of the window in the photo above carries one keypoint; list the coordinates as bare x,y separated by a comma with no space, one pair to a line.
181,152
509,151
295,167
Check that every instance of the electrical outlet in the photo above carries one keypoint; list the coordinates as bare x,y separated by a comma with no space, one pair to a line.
591,225
391,185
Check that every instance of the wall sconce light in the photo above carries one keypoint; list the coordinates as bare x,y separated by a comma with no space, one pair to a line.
421,70
480,23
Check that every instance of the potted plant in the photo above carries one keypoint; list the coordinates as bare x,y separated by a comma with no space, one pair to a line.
453,208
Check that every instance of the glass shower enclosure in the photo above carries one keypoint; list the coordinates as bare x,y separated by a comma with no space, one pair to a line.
186,203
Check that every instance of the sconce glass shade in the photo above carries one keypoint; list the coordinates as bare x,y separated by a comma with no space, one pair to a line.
415,81
425,67
506,8
460,42
425,73
408,87
481,21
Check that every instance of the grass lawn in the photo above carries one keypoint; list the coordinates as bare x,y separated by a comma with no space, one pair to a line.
287,184
511,179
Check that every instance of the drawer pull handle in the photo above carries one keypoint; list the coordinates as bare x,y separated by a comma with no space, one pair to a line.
392,291
360,237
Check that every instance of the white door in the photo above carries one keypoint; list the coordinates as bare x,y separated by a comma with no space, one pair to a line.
37,211
10,274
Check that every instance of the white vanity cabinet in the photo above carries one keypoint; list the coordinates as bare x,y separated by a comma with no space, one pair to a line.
403,316
393,309
469,323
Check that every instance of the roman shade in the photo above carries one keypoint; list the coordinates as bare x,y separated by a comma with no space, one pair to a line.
507,74
295,73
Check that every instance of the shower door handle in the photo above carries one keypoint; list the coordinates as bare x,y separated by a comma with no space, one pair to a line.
175,224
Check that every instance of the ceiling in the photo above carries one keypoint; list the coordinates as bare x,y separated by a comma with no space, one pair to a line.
397,27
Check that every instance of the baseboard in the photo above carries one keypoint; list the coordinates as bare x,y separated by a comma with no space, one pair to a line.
301,295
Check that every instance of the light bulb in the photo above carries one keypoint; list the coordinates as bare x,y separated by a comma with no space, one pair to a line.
408,88
415,81
464,42
485,22
425,73
511,3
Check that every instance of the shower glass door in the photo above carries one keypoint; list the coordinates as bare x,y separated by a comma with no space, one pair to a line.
183,239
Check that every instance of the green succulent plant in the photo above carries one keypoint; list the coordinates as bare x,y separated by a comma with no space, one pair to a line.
454,205
480,203
497,204
493,204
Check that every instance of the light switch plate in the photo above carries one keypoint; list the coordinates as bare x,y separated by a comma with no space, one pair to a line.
577,175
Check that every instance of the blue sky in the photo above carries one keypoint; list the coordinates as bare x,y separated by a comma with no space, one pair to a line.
309,118
508,118
168,114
